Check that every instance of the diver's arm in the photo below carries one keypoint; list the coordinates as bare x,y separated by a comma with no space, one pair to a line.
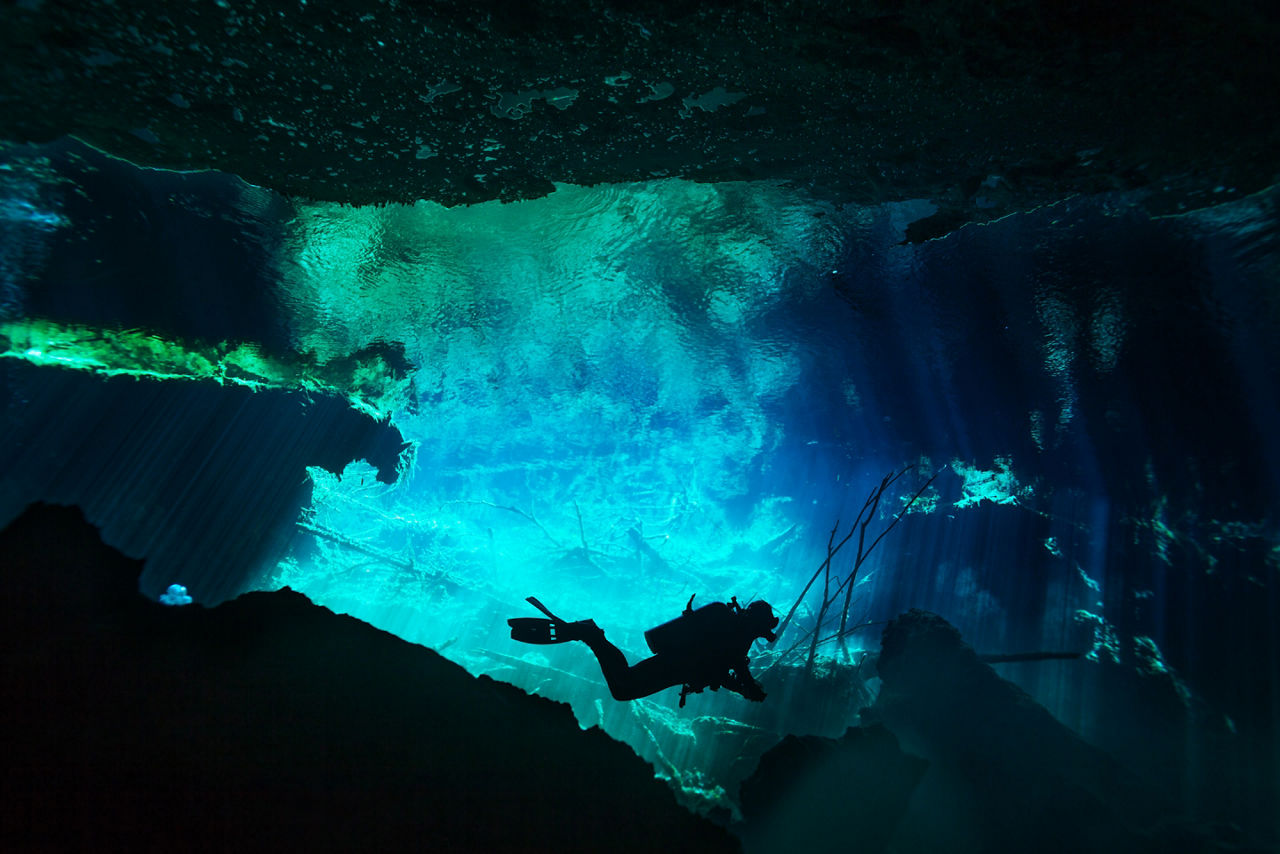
742,682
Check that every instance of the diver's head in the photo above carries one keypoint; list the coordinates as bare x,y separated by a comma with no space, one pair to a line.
760,619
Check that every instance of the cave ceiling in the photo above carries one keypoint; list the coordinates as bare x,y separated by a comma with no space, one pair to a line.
982,108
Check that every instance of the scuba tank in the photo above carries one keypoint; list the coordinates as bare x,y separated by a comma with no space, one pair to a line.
692,629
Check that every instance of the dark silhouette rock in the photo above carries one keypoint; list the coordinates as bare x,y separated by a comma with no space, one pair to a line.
816,794
1004,774
270,723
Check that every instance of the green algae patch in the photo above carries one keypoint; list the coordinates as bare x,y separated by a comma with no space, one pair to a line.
373,380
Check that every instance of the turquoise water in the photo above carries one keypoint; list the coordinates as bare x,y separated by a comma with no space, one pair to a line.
616,398
601,382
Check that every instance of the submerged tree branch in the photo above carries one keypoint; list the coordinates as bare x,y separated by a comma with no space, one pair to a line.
843,585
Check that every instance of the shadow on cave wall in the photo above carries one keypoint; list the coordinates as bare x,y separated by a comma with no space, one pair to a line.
1097,346
205,481
183,255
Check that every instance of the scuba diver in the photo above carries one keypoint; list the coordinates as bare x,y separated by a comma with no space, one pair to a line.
700,649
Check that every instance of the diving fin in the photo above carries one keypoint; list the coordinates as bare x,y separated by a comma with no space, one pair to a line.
537,630
554,630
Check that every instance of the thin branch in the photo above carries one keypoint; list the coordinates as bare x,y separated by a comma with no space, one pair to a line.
782,656
843,586
842,635
825,564
377,554
582,532
1030,656
898,518
822,613
518,512
863,555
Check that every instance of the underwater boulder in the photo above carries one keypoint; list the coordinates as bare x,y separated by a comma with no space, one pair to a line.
817,794
1004,774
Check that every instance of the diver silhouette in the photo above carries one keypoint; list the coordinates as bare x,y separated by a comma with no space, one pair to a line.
700,649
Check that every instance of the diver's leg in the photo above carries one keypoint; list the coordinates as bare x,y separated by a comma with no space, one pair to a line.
630,683
613,665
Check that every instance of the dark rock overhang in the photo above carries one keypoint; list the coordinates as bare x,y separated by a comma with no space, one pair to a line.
983,108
